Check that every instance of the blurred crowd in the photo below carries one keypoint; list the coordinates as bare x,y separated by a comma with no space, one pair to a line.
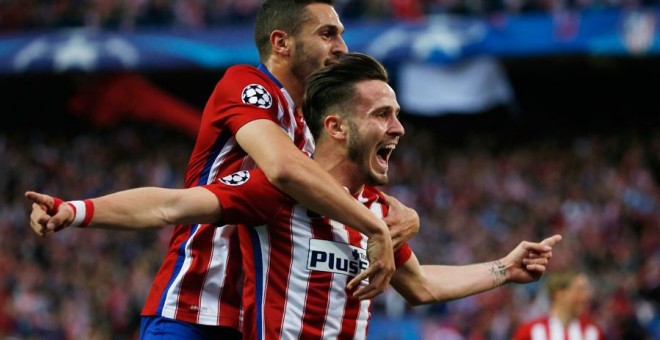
21,15
479,199
476,199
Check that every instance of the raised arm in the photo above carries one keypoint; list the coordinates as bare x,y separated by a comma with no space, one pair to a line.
423,284
288,169
133,209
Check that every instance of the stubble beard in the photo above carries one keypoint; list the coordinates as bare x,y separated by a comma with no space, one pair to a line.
357,154
302,65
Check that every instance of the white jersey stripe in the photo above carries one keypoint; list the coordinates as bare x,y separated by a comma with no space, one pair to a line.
574,331
302,232
215,276
171,301
220,159
539,332
556,329
337,298
591,333
363,320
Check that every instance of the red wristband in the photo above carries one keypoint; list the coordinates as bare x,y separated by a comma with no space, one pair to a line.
56,204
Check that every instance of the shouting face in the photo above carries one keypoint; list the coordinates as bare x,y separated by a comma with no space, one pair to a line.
373,130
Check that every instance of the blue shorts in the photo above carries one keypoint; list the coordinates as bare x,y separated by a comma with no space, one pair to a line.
160,328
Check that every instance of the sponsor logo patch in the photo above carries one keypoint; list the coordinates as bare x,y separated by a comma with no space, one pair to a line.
336,257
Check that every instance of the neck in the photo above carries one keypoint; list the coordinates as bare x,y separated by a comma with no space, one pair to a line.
564,316
336,163
282,71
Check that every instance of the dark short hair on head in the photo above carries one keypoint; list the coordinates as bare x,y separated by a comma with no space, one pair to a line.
285,15
334,86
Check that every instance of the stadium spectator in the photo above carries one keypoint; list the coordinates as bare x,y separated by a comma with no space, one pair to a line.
570,296
19,15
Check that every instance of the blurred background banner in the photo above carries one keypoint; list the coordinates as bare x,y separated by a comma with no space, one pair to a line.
437,39
470,86
96,50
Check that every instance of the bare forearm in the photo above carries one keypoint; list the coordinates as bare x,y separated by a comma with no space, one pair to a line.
129,210
436,283
432,283
454,282
151,207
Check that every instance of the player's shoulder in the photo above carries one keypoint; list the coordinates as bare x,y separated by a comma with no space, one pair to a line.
524,330
245,73
246,84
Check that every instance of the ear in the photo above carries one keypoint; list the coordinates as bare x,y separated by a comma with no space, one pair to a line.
335,127
280,43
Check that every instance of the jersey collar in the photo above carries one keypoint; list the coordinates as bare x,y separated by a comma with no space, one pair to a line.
263,69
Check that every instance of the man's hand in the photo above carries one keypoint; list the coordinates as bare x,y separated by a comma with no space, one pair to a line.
528,261
45,218
402,221
380,271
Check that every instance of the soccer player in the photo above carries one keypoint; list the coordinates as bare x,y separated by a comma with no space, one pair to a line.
250,120
570,294
302,268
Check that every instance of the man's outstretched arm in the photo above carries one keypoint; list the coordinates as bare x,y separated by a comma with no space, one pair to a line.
423,284
133,209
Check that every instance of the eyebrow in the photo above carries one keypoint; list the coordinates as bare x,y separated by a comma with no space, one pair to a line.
331,27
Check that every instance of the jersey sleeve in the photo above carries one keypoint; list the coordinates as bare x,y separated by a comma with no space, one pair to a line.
248,198
244,94
402,255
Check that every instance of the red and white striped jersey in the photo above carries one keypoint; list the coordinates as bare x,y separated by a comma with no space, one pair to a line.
200,279
297,264
550,328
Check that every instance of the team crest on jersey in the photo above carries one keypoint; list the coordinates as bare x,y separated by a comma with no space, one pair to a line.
256,94
336,257
237,178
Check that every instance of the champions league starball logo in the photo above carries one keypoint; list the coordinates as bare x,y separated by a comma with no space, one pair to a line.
236,178
75,50
256,94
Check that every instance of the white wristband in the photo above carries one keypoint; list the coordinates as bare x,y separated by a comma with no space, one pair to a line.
82,212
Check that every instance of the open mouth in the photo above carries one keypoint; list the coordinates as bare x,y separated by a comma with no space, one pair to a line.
384,152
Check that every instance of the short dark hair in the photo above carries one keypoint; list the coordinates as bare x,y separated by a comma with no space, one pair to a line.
334,86
285,15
